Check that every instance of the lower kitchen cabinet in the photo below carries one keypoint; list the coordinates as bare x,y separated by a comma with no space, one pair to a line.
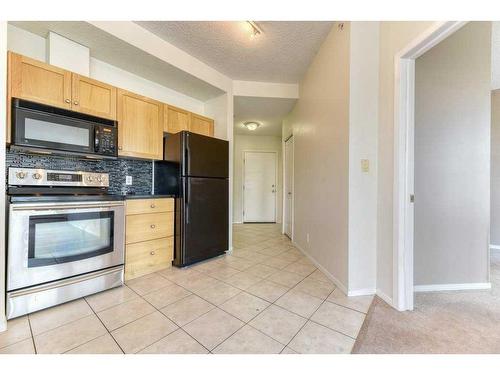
146,257
149,237
149,226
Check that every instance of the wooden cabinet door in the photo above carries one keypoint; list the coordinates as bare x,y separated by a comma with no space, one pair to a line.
201,125
93,97
39,82
176,119
140,126
146,257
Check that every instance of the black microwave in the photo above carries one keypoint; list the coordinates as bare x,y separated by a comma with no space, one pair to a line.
41,128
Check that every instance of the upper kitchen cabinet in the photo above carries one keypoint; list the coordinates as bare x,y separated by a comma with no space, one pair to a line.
38,82
175,120
43,83
140,126
93,97
201,125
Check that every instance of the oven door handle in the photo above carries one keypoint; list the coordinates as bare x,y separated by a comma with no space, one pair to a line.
58,206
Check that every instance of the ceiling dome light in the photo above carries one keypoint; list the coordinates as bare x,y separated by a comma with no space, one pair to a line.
254,29
251,125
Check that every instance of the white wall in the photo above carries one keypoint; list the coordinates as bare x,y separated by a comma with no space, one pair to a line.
320,125
363,127
335,125
3,115
393,37
67,54
495,55
26,43
120,78
452,159
495,170
255,143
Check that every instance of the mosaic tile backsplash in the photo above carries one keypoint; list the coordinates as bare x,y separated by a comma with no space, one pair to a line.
140,170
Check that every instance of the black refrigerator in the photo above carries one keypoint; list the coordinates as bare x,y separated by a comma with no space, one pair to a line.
202,203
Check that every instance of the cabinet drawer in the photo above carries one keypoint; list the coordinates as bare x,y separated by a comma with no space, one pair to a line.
146,206
148,256
149,226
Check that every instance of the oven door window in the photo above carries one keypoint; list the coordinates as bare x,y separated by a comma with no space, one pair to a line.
63,238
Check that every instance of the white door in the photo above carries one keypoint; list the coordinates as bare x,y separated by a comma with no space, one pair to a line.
259,187
288,188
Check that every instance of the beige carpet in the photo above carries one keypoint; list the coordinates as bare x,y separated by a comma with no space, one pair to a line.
444,322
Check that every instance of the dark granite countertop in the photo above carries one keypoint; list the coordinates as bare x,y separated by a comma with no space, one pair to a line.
147,196
83,198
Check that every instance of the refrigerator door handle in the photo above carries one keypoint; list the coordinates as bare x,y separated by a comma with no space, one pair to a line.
186,160
186,202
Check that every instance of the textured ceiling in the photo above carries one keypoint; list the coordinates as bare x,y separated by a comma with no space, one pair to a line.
112,50
267,111
281,53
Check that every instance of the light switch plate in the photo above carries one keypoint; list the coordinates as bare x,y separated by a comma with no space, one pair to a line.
365,165
128,180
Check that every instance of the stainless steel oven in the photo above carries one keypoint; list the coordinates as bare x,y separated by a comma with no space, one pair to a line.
62,247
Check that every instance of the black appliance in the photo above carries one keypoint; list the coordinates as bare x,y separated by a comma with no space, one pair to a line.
166,177
202,205
41,128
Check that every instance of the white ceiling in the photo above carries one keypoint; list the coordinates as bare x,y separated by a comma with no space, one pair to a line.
112,50
281,53
267,111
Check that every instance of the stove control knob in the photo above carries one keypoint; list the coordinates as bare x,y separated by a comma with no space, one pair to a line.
37,176
21,175
99,179
90,178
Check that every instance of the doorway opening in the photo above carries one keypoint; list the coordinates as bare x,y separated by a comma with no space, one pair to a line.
288,188
260,181
404,189
441,200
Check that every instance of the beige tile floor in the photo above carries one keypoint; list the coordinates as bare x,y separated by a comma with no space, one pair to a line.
265,297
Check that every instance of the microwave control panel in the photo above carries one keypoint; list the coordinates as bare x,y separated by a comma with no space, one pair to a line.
105,140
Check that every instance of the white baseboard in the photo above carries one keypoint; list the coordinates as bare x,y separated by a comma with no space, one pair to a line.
3,324
385,297
337,282
361,292
449,287
237,222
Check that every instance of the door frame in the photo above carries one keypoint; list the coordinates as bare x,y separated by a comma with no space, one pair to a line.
244,152
284,184
403,183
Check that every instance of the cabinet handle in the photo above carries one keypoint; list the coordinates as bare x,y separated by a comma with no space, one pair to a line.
67,101
152,253
75,102
153,206
153,226
119,147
